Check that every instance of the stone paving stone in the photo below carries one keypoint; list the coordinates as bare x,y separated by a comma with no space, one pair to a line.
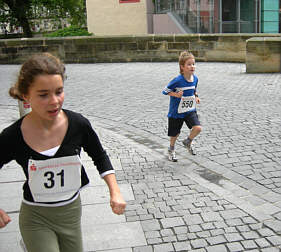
118,250
232,214
132,218
217,248
169,239
143,249
265,232
152,234
215,232
193,219
262,243
243,228
152,241
207,226
211,216
194,228
166,247
230,230
268,208
274,240
203,234
199,243
270,250
274,225
216,240
249,244
198,250
10,242
180,230
250,235
172,222
166,232
150,225
235,247
99,194
232,237
111,236
103,215
11,172
182,246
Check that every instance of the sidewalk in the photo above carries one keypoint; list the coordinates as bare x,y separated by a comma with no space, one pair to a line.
227,198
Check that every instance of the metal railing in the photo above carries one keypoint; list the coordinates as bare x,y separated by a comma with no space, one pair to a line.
189,17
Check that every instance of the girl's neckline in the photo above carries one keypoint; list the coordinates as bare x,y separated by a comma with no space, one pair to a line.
42,152
50,152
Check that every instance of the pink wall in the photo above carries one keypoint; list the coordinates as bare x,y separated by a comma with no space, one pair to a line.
163,24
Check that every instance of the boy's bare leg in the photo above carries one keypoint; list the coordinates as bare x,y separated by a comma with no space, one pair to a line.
195,131
173,141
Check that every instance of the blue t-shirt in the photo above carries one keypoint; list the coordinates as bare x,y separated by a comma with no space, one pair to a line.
189,88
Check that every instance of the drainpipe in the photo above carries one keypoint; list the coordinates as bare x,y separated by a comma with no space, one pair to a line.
198,17
238,16
211,15
260,13
157,6
220,16
256,16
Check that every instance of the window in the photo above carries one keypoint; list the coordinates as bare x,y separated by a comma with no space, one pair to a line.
129,1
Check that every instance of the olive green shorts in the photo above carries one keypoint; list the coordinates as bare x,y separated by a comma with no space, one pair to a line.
52,229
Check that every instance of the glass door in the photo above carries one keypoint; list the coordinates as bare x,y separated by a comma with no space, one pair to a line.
247,16
229,16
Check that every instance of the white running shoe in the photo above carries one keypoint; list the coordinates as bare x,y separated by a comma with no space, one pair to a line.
189,147
172,155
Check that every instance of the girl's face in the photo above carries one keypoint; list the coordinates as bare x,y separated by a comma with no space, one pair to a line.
46,96
189,67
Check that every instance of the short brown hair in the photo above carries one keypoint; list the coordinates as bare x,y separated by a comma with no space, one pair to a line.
184,56
38,64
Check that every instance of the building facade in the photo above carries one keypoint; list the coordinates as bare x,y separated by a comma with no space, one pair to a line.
123,17
223,16
119,17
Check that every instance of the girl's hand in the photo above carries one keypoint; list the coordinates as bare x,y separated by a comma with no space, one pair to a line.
117,204
197,99
4,218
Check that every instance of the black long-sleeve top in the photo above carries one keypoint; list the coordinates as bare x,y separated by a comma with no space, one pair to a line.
80,134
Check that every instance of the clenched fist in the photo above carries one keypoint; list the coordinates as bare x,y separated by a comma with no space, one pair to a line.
4,218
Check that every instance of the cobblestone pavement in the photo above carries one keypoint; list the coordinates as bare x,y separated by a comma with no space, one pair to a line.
228,197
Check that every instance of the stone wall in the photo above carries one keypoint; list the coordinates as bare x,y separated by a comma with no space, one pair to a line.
263,55
147,48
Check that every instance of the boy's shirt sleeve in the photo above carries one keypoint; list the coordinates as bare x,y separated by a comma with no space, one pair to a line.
171,87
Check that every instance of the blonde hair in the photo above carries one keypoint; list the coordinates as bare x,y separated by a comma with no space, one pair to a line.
38,64
184,56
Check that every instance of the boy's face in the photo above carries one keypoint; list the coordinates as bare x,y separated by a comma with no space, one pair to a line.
189,67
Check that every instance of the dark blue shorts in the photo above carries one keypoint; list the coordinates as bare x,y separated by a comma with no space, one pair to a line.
175,124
